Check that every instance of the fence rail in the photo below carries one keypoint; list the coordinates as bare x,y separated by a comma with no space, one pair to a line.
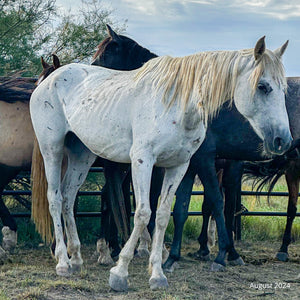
191,213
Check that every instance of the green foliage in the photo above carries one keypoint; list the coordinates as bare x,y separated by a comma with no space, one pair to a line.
30,29
77,40
21,32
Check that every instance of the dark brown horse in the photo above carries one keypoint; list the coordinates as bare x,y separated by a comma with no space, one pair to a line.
16,139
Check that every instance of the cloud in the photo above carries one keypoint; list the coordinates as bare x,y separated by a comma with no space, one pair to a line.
182,27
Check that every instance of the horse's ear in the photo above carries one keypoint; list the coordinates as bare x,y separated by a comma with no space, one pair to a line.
260,48
56,62
279,52
44,64
111,33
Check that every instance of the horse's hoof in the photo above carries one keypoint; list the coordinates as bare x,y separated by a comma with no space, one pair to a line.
215,267
236,262
158,283
9,238
202,257
118,283
142,253
282,256
63,271
171,268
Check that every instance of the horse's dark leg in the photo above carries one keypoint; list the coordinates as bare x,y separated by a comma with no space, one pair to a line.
102,243
119,220
113,232
292,180
203,252
180,214
214,198
7,174
155,189
232,177
127,198
9,230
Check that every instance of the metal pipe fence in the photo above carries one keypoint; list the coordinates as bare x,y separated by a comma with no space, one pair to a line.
191,213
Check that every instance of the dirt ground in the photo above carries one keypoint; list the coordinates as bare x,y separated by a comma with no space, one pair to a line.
30,274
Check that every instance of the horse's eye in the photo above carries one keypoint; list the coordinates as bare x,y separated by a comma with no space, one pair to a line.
264,87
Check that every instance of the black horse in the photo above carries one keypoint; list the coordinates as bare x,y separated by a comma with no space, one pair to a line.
221,142
268,173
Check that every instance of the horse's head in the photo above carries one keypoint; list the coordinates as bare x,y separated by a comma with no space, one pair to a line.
48,69
120,53
259,95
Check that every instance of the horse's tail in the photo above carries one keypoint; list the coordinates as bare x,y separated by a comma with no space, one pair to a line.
265,174
268,173
40,207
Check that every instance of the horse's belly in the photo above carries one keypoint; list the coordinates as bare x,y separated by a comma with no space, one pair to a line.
117,151
106,138
16,134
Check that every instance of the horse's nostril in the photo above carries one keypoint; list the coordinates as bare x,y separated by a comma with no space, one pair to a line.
278,143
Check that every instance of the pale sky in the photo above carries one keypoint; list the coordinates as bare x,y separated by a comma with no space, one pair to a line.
182,27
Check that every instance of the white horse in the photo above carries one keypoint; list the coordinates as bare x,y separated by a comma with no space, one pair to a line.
155,115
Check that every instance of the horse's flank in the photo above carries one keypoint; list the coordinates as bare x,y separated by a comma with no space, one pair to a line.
208,78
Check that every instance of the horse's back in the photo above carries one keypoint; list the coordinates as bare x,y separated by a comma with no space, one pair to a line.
76,97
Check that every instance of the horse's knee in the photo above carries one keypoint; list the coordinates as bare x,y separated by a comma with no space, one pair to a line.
142,216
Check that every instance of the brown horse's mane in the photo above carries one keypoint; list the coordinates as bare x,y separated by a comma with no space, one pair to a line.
101,47
13,89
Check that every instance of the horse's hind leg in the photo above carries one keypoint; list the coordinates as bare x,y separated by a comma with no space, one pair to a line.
292,180
79,161
53,154
9,229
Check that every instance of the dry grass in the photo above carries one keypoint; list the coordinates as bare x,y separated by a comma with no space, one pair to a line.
30,274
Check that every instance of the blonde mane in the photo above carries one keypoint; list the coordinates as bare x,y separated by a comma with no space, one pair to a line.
207,78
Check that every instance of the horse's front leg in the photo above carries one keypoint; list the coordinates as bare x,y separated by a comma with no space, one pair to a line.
232,179
292,181
172,179
141,176
214,200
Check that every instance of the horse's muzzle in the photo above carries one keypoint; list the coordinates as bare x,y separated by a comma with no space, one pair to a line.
280,143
